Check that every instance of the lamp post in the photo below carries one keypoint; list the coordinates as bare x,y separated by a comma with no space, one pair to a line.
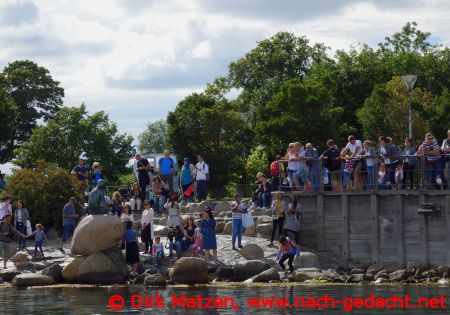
409,81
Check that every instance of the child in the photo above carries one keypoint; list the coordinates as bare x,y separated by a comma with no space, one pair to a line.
198,242
131,249
110,209
175,237
39,237
287,251
158,250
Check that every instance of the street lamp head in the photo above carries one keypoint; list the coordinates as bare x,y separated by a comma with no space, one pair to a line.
409,81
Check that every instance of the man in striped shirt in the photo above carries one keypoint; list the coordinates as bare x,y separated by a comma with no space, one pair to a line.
433,165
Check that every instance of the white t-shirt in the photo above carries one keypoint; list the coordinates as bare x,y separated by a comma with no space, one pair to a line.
352,147
4,209
202,169
127,217
293,165
383,152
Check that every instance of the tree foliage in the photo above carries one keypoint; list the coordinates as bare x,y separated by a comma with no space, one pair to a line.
45,190
35,95
154,139
72,134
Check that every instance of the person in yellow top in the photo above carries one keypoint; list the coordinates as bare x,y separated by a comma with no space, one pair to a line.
278,215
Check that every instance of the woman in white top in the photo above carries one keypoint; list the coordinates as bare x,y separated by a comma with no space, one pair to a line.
147,232
127,214
5,207
174,213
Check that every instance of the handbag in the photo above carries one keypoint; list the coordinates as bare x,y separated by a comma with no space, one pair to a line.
247,220
291,223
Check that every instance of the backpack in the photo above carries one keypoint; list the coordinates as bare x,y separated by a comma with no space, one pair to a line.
275,168
209,171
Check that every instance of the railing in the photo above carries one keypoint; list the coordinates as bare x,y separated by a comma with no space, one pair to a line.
354,175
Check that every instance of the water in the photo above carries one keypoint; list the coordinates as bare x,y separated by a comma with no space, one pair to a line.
95,300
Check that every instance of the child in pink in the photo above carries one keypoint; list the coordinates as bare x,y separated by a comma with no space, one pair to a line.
198,242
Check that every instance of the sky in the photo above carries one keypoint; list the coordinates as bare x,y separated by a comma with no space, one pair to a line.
136,59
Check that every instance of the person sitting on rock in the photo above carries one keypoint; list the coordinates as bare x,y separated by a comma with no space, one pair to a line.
7,231
198,242
131,248
175,238
158,250
97,202
287,251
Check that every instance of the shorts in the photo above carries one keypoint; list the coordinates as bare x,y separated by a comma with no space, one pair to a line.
335,175
5,250
358,166
67,232
302,173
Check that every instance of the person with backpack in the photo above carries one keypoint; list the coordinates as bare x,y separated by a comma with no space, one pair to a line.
277,172
332,162
166,169
202,170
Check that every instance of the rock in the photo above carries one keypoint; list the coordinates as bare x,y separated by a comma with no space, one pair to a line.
264,219
357,271
212,268
382,273
51,234
155,280
25,265
220,227
435,279
8,275
303,274
248,269
252,251
193,207
116,256
31,279
39,266
250,231
55,272
443,281
222,207
306,260
203,205
151,271
264,229
369,276
229,214
374,268
265,276
356,278
140,278
381,280
189,270
163,221
185,209
70,271
227,229
160,230
225,271
97,233
398,275
21,256
431,273
413,264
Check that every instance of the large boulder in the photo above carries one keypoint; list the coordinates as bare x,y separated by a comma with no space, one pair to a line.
248,269
265,276
8,275
31,279
306,260
156,280
20,257
163,221
116,256
220,227
224,271
96,233
189,270
55,272
264,229
97,268
203,205
222,207
252,251
304,274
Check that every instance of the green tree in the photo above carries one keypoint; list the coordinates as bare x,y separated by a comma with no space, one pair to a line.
155,138
202,125
74,133
8,114
36,96
45,190
256,162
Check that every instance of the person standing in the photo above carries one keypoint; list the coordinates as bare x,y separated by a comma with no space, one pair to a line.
409,165
6,234
278,215
97,173
202,170
20,222
333,164
355,149
5,207
143,167
166,169
312,159
208,230
433,163
369,157
277,172
237,209
39,237
82,173
131,248
446,158
147,232
69,216
173,209
187,175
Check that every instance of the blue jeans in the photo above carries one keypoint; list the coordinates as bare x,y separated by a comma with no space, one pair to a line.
314,177
175,246
202,190
158,256
38,244
22,229
302,173
370,178
291,177
236,225
265,199
67,232
390,176
432,171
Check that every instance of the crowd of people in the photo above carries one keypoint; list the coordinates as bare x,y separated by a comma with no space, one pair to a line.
359,166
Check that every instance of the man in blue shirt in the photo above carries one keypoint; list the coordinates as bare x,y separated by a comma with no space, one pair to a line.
82,173
69,216
166,169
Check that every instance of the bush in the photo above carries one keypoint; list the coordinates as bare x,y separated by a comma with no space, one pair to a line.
45,191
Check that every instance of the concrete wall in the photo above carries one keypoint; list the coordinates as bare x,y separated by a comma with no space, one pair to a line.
377,227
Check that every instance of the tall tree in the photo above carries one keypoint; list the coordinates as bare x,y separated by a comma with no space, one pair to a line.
7,116
154,139
36,96
73,133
